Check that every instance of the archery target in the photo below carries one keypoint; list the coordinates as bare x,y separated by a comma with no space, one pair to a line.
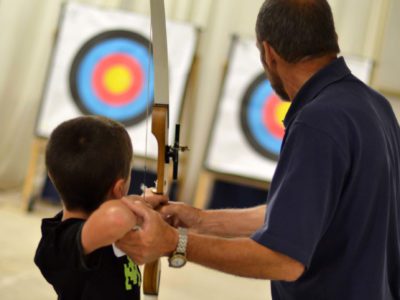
101,65
261,116
109,74
248,129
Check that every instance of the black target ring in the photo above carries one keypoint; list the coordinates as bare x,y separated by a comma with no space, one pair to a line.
114,53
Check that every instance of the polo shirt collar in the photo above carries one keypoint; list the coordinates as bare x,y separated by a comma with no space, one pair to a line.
331,73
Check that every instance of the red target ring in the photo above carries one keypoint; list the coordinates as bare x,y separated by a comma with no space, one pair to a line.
261,117
269,116
132,70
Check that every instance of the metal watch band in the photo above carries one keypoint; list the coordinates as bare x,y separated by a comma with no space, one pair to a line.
182,242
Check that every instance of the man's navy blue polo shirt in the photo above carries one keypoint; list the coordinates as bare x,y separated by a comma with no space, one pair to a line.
334,202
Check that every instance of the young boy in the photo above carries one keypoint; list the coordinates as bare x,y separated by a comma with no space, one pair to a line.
89,161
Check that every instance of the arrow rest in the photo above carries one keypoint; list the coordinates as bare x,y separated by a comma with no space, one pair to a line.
172,152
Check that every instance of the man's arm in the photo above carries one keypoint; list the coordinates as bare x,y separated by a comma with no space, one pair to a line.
238,256
242,257
224,222
232,222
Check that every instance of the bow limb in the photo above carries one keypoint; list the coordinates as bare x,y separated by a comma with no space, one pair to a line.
160,121
160,116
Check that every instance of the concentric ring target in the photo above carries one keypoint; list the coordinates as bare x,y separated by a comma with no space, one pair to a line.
262,113
112,76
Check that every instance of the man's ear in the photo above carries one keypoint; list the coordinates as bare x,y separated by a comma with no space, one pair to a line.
270,55
118,189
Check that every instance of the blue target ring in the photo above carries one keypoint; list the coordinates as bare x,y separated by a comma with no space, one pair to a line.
82,74
255,118
258,118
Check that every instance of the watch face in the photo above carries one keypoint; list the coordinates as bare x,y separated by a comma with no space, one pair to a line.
177,261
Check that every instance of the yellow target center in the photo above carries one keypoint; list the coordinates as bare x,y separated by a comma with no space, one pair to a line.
117,79
281,111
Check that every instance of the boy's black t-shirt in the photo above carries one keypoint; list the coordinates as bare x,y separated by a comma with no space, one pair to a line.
74,275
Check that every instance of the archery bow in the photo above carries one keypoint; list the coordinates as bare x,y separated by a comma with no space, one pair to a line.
160,122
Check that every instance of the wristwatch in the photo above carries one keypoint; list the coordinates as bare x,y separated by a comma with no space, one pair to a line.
178,257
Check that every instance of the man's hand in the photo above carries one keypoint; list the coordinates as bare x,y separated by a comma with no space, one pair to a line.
153,239
221,222
152,200
182,215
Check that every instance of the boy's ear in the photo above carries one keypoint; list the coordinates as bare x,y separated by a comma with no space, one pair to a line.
118,189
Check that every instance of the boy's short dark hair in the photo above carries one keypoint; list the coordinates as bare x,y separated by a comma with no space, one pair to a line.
84,157
297,28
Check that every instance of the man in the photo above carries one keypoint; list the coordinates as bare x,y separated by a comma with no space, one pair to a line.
332,225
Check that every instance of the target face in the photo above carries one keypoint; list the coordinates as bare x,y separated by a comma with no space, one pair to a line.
112,76
262,115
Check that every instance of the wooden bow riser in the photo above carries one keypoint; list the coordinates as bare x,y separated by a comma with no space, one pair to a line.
151,278
159,129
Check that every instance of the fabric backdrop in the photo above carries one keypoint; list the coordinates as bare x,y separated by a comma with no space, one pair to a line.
27,30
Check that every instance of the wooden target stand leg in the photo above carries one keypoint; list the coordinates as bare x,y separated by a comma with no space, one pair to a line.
204,189
28,199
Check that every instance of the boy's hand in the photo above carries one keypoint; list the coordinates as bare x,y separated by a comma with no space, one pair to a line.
148,197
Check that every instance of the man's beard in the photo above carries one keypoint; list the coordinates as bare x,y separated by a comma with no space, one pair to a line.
273,77
276,83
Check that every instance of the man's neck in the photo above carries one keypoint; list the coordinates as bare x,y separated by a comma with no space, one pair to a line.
296,75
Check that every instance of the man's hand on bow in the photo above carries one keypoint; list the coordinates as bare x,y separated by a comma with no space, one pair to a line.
181,215
155,238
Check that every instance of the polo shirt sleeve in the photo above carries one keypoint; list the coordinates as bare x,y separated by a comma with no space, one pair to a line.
304,193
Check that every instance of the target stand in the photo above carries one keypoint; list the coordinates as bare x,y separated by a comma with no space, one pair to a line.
30,188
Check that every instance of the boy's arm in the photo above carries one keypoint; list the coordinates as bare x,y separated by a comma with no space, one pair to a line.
110,222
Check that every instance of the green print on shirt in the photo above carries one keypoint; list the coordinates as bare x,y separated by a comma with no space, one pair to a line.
132,274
